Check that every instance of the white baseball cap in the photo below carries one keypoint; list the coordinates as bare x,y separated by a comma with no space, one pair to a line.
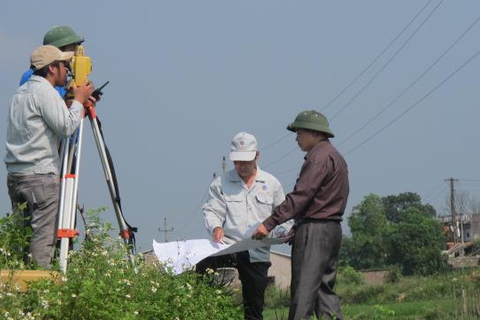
244,147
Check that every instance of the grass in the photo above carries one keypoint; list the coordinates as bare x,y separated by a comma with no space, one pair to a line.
454,295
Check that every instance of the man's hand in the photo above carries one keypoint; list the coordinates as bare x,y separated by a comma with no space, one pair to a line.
260,233
217,234
83,92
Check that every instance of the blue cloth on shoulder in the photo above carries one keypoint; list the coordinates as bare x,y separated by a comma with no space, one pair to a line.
61,90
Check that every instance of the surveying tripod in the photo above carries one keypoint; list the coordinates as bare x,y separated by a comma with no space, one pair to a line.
71,156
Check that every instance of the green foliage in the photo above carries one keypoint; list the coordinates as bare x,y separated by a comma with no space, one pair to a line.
348,275
381,312
14,239
276,298
451,295
368,225
416,243
393,275
101,284
394,230
395,206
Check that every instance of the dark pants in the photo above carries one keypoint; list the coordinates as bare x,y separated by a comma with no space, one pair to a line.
41,194
253,276
314,254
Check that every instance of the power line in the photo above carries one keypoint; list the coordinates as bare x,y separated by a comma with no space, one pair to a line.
435,196
377,57
281,158
287,171
469,180
276,142
191,216
192,213
416,103
414,82
434,189
438,190
388,62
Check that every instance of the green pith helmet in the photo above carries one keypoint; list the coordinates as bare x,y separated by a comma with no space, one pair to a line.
61,36
311,120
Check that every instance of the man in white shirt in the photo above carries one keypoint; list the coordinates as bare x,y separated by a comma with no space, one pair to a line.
239,200
37,120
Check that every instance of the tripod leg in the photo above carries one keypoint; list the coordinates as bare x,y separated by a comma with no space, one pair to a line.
69,195
124,230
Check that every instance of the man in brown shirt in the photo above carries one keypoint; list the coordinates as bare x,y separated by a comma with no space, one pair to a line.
317,203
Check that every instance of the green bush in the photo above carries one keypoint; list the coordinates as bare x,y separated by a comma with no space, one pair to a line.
393,275
348,275
13,241
101,284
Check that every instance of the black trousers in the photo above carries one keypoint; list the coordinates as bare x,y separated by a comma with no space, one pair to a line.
253,276
314,255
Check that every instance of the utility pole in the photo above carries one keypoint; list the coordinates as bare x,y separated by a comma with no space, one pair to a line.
452,208
224,165
165,229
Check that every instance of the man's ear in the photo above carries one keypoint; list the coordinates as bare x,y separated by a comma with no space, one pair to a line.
51,68
257,155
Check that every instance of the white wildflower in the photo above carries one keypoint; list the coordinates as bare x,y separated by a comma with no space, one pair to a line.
45,304
210,271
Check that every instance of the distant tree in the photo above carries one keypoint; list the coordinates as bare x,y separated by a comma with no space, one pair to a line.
396,230
415,243
366,248
395,206
465,203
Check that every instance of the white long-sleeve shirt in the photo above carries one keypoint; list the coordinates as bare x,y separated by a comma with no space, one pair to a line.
238,210
37,120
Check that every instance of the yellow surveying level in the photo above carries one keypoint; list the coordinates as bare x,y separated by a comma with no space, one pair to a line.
80,66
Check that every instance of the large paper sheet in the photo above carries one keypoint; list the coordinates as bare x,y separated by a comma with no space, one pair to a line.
180,256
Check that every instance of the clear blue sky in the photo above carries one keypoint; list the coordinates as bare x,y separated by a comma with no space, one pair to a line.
186,76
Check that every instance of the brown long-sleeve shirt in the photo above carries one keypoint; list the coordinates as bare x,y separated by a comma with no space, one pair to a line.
321,190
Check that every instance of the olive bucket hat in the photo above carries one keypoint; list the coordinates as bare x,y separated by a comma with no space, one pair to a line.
61,36
311,120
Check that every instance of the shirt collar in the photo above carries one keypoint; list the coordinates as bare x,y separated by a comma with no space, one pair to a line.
234,177
39,79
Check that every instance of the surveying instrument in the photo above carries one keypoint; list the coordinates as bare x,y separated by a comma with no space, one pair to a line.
71,150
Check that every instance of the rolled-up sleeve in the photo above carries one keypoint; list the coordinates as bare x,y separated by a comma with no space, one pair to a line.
214,210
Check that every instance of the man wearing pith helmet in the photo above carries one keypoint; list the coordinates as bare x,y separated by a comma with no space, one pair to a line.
317,203
65,39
